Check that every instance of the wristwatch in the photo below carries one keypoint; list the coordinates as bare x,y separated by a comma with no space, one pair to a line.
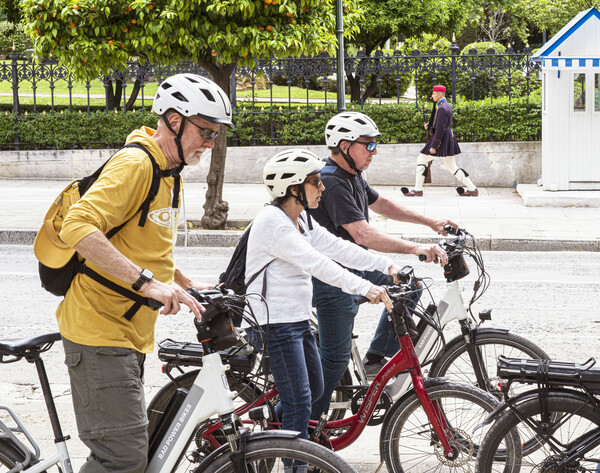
145,276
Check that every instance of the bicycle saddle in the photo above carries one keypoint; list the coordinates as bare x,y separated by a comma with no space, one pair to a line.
20,347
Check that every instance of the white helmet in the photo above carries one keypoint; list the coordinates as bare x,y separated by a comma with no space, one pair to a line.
191,94
288,168
349,126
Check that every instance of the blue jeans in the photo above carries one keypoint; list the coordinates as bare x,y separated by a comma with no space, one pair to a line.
296,369
336,311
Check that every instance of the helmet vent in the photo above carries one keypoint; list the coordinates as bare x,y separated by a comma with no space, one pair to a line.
362,122
208,95
302,159
180,96
344,130
269,177
166,85
191,79
288,175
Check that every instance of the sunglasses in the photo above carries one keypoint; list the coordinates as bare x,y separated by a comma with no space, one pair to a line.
368,144
205,133
316,182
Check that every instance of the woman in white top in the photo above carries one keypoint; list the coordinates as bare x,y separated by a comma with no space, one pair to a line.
294,249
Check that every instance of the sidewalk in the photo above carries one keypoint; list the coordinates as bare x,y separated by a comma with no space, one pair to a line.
498,217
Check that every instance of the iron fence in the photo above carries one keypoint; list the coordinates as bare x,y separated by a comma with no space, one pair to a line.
276,89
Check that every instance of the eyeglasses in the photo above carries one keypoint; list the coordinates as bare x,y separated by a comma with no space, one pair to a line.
370,145
316,182
205,133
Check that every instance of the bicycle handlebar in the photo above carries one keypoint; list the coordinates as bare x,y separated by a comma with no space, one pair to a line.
452,245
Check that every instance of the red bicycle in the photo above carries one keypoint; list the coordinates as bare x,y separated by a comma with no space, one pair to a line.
430,428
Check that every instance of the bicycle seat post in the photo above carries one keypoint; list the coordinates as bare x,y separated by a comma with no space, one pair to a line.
50,406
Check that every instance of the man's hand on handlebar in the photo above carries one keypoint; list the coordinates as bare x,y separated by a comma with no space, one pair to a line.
439,226
172,297
378,294
393,271
432,253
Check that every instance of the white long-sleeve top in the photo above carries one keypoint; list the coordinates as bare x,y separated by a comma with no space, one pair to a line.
295,258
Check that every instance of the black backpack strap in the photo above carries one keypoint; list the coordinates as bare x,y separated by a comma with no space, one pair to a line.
138,300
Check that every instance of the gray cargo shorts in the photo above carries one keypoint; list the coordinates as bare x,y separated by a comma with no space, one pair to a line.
108,399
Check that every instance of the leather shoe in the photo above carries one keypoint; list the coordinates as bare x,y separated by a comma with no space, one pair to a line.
474,193
413,193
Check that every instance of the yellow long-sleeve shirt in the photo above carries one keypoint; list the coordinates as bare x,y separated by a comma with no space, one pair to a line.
92,314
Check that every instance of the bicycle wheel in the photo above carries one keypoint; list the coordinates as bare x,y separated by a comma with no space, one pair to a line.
409,444
341,399
455,362
267,456
10,455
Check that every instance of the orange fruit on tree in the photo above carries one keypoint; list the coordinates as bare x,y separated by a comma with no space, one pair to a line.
110,42
129,8
134,21
260,28
75,7
213,53
37,32
72,25
289,14
150,7
125,30
269,28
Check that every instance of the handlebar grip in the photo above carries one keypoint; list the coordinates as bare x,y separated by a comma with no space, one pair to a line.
153,303
452,230
360,300
422,258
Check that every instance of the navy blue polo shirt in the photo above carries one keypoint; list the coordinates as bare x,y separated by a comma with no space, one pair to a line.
346,199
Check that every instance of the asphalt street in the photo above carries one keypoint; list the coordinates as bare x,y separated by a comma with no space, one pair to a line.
550,298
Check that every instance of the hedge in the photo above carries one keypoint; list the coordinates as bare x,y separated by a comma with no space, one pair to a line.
484,120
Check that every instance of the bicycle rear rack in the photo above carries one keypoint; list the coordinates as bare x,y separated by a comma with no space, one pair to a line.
8,433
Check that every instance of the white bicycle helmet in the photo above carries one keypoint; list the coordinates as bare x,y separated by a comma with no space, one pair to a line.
288,168
191,94
349,126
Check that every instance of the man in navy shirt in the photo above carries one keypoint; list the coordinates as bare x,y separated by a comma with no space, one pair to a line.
442,144
344,211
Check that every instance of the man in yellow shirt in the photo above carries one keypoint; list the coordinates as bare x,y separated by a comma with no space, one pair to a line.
105,334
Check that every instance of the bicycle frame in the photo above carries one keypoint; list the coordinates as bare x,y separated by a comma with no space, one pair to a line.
405,360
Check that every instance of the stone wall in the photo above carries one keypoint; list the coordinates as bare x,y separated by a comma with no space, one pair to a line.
502,164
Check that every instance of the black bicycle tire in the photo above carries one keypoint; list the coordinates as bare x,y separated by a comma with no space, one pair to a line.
507,424
10,455
272,449
402,414
448,357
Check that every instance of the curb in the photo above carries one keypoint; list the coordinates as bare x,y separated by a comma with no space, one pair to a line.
229,238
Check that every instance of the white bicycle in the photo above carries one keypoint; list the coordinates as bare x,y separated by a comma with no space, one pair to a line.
247,450
469,358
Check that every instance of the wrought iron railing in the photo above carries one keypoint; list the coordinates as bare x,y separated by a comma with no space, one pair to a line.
381,78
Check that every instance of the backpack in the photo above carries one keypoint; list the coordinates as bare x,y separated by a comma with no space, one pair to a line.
234,276
56,276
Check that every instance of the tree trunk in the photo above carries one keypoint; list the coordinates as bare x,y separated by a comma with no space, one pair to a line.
215,208
109,93
133,96
354,82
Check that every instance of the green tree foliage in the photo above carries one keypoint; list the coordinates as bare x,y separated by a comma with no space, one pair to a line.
424,45
93,36
405,18
552,15
9,10
12,33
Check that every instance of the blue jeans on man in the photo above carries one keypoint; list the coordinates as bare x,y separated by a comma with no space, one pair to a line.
296,370
335,312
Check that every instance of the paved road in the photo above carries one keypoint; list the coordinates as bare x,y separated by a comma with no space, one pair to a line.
551,298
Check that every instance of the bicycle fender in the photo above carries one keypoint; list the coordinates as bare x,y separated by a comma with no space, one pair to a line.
251,438
460,339
528,395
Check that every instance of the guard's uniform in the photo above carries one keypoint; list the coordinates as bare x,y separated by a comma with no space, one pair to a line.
440,126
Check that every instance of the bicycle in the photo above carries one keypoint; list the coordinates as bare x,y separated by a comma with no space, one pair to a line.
561,416
468,357
244,450
445,412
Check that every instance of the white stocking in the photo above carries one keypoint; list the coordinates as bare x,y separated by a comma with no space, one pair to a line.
459,173
422,162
